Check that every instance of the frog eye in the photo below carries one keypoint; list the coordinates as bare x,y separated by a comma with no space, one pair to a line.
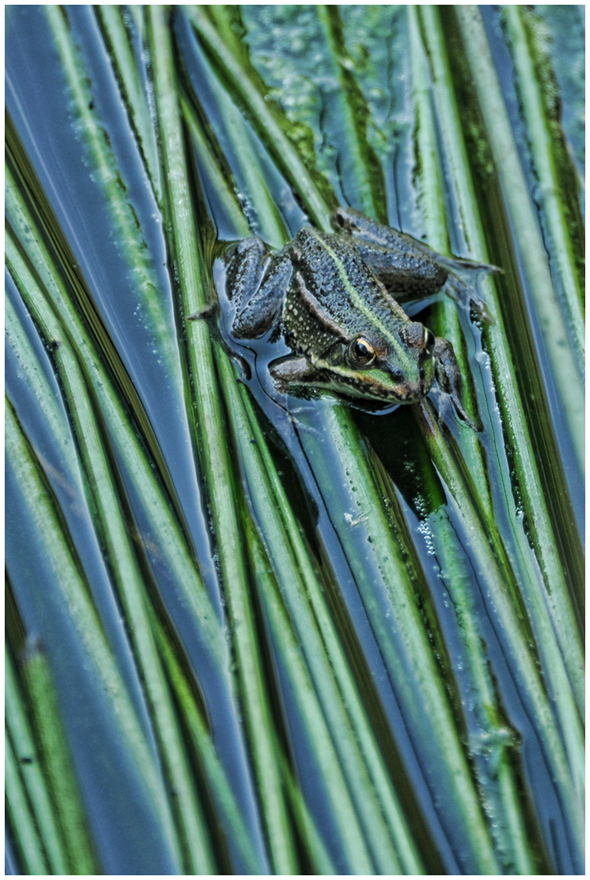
429,342
362,352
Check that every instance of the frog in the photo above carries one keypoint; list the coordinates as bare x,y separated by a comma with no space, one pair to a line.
336,298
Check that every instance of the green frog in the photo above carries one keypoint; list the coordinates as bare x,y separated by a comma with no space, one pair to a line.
335,299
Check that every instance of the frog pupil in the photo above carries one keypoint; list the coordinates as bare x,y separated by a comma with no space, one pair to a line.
362,351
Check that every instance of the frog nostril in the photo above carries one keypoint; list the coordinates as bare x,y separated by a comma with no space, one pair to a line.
422,374
397,374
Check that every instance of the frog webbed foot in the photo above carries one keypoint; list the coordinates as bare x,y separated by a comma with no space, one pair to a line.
466,295
465,291
450,383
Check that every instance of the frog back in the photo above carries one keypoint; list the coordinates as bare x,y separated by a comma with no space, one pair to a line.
343,285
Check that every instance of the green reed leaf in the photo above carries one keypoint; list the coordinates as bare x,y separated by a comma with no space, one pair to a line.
56,760
74,597
21,750
214,454
20,815
529,243
434,539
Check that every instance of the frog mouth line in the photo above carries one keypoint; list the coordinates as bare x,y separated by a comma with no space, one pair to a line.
371,388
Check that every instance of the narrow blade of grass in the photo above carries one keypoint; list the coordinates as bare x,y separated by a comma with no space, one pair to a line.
532,254
20,817
56,760
542,140
24,751
213,451
74,596
118,40
209,166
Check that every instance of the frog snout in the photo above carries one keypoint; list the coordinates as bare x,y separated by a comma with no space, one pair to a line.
414,389
418,389
408,390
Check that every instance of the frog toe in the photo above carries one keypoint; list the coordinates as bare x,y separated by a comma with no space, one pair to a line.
464,416
473,266
450,383
251,324
448,402
466,295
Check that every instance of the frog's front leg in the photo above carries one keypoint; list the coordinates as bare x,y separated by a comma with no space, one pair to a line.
258,284
408,267
292,372
449,379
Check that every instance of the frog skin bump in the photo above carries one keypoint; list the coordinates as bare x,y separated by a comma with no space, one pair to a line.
335,299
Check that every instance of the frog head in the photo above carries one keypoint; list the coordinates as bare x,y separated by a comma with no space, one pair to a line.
397,367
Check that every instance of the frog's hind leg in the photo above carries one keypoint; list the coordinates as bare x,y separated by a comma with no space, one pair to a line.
256,305
369,234
408,267
368,231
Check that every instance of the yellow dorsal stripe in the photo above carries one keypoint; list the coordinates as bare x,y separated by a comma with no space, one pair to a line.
359,304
